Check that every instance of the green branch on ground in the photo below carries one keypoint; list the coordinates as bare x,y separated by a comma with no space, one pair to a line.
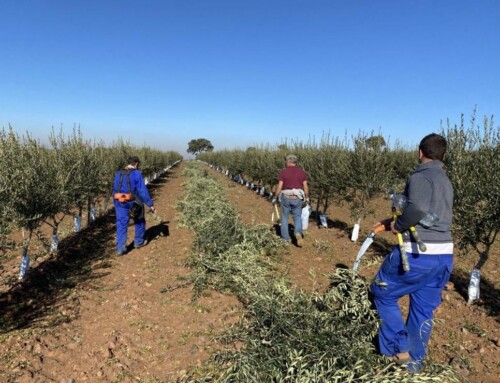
285,335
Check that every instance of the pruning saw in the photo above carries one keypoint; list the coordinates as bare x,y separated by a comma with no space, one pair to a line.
366,244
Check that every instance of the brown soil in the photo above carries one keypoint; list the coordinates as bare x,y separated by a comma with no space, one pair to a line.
88,315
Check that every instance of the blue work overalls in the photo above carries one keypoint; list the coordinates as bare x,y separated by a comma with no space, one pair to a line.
138,189
423,283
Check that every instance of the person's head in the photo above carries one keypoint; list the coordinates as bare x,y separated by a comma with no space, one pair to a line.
291,160
133,161
432,147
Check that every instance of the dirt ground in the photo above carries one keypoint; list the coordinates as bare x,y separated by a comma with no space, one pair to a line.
88,315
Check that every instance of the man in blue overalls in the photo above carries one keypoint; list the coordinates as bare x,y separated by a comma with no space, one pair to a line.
428,190
128,186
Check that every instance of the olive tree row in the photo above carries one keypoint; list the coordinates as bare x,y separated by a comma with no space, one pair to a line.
473,164
26,183
344,171
256,164
354,171
44,183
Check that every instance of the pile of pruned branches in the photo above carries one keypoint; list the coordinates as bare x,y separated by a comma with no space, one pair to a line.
288,335
225,249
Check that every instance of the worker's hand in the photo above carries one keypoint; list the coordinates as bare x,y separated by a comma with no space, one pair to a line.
274,201
386,223
393,229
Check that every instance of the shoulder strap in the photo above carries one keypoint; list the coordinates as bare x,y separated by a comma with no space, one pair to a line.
125,172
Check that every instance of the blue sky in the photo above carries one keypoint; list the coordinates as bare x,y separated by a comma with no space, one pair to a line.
241,72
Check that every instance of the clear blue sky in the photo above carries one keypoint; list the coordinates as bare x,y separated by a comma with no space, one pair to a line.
245,72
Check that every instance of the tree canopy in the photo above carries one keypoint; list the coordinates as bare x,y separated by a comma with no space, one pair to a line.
375,142
199,145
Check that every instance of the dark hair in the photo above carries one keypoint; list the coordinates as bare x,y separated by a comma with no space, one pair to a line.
433,146
133,160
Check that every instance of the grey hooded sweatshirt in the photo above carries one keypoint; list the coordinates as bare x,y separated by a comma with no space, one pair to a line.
428,190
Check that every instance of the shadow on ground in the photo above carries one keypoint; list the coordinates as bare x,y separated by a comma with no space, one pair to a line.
330,223
489,295
44,298
36,299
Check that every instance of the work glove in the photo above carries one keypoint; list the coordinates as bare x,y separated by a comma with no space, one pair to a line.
305,202
386,223
274,201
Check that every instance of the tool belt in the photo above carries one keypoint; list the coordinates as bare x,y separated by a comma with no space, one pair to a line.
294,193
123,197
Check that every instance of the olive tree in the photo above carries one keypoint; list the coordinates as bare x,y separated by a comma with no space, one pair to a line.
199,145
369,173
473,165
27,182
86,181
325,164
5,222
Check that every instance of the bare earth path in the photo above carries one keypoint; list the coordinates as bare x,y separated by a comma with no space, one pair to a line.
91,316
115,324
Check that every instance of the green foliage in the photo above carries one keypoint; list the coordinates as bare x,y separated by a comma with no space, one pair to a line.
199,145
78,167
473,165
38,182
357,171
260,165
402,162
375,142
26,180
339,171
224,247
326,164
369,174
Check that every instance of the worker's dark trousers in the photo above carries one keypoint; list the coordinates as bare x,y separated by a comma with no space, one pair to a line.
122,219
423,283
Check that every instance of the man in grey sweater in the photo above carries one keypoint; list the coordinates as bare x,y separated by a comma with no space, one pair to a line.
428,190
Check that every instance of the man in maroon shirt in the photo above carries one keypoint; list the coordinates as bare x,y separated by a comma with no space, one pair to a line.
292,190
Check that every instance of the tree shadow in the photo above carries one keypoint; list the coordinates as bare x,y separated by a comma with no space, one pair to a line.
82,258
381,246
330,223
153,232
489,295
341,266
44,298
159,230
276,228
155,185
